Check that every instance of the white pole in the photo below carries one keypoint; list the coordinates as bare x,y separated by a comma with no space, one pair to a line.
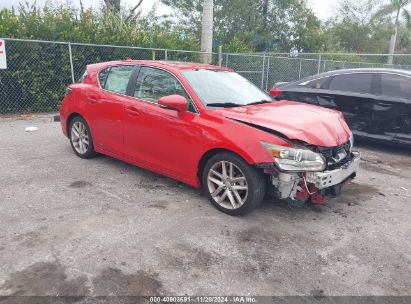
71,63
207,31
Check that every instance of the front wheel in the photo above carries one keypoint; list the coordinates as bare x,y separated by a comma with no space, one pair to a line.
233,186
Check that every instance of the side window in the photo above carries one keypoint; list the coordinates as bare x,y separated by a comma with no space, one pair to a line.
117,79
358,83
153,84
318,83
396,85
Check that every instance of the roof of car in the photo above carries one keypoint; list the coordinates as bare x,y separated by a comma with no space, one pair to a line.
359,70
177,65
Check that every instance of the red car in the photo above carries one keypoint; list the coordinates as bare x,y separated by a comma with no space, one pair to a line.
211,128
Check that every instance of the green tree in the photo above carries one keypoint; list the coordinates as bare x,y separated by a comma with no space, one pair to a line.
395,8
362,27
262,25
37,73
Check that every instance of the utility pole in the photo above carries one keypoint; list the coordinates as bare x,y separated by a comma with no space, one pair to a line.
207,31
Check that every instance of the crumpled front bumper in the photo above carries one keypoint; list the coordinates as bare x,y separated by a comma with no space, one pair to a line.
326,179
313,186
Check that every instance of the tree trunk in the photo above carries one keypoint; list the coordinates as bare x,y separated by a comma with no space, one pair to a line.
207,31
113,5
393,40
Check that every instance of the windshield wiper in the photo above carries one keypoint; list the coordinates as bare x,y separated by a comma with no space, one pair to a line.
225,105
259,102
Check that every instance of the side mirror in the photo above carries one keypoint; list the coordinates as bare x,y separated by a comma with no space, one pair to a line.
175,102
274,92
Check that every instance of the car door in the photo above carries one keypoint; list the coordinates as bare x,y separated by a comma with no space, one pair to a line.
353,95
392,110
106,109
155,137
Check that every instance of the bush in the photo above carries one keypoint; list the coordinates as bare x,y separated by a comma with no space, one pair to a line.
38,73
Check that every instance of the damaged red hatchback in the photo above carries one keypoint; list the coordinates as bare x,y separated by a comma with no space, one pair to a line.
209,127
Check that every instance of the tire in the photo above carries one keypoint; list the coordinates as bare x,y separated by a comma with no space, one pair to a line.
241,183
80,138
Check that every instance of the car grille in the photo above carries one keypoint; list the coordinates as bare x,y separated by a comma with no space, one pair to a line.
337,156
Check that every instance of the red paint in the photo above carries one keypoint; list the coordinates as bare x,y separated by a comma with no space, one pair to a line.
175,102
312,124
303,195
173,142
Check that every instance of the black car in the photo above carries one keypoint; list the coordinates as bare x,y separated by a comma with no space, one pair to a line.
376,103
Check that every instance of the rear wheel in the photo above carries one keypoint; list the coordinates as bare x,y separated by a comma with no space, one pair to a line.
232,185
80,138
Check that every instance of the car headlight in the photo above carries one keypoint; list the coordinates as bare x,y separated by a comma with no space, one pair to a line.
295,160
351,141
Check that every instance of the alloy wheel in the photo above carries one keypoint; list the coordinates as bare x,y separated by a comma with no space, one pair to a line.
227,185
80,137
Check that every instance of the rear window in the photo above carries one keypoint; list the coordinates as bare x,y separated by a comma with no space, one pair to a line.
358,83
395,85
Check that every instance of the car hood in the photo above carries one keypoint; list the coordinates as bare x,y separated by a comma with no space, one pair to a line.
311,124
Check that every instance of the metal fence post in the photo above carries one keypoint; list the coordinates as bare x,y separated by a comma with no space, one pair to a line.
71,63
268,75
247,64
319,64
220,55
262,72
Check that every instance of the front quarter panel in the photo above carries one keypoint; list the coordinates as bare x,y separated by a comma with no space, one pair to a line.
218,132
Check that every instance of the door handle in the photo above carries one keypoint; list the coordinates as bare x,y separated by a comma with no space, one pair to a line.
133,111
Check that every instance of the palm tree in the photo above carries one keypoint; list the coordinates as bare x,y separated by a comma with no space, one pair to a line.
207,31
395,8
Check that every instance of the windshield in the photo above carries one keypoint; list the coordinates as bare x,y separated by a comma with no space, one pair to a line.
224,89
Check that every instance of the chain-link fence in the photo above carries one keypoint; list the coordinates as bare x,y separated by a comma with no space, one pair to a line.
267,69
38,71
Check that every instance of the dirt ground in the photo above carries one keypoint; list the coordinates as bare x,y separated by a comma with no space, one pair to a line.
102,227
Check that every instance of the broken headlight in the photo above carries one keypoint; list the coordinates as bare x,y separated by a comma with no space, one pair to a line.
294,159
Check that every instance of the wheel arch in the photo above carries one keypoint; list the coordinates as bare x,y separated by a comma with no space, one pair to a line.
210,153
69,119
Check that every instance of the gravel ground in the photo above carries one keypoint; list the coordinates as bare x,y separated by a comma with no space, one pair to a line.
103,227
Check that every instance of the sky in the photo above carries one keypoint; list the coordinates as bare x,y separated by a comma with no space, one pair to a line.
323,8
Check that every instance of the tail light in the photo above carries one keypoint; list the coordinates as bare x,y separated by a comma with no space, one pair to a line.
274,92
